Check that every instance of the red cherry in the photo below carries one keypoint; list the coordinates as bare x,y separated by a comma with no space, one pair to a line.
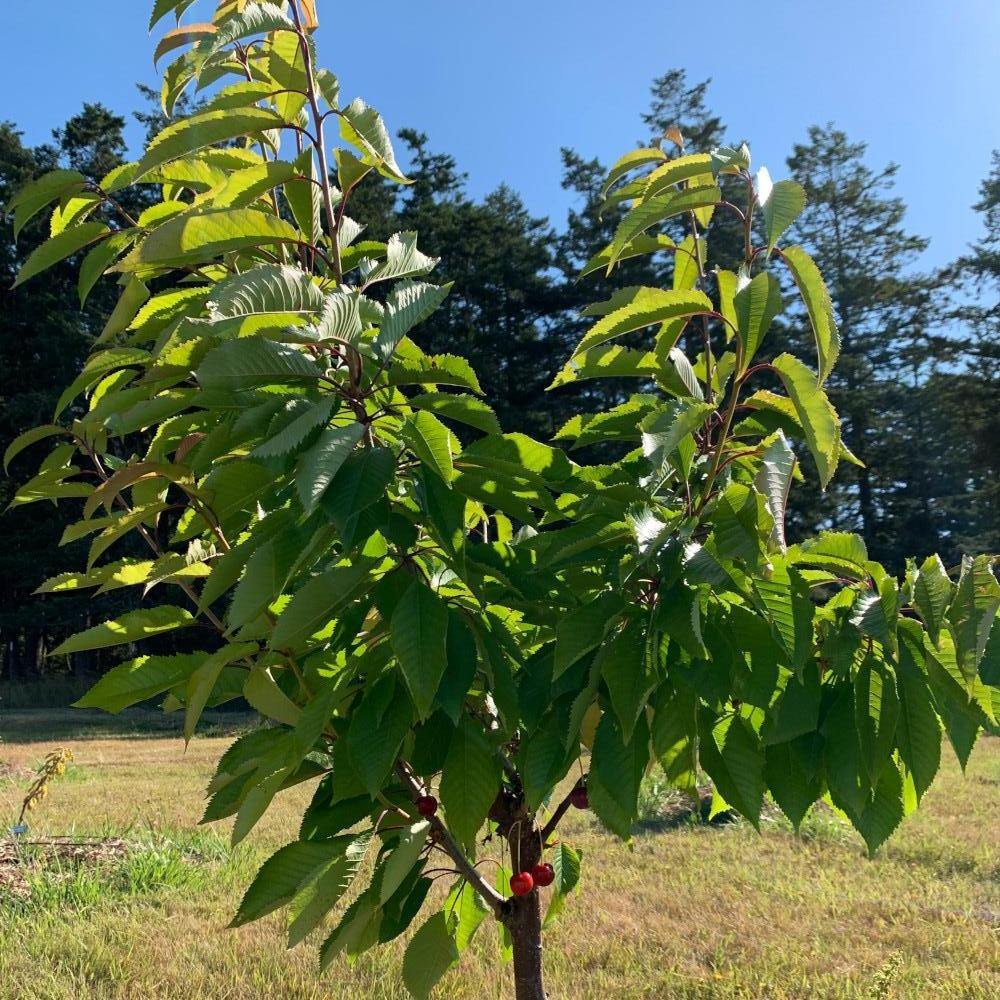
578,797
427,805
543,874
522,884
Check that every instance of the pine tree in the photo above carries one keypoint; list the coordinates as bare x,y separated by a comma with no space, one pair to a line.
888,315
44,340
968,399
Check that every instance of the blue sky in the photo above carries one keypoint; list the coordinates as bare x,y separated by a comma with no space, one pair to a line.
503,86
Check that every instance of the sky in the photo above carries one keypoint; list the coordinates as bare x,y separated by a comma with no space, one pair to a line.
502,87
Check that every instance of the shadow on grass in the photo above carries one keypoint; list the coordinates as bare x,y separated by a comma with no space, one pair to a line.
663,808
72,724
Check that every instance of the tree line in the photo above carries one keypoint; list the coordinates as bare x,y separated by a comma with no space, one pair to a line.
916,384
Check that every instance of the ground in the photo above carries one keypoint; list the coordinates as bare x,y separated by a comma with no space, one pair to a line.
688,911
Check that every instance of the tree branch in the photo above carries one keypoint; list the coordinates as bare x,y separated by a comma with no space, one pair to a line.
493,899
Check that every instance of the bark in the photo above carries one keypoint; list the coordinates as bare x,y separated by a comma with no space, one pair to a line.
525,927
523,916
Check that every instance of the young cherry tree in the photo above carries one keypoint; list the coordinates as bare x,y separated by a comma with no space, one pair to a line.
440,623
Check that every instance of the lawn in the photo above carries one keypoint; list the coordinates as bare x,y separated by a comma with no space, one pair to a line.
689,910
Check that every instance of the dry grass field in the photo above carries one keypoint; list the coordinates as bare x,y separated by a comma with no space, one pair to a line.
689,911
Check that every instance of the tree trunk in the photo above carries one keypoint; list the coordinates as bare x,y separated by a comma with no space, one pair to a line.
523,918
525,927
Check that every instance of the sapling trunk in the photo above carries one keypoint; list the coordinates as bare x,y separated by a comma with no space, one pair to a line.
525,927
523,915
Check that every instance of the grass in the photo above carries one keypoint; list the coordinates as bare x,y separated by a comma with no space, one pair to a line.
687,911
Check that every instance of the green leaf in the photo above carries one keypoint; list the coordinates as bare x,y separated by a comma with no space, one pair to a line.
305,198
788,607
629,162
636,247
756,304
616,771
469,782
609,362
138,680
262,692
683,168
41,192
629,676
430,954
430,441
566,863
401,859
469,911
918,731
433,369
133,297
518,456
202,682
796,712
665,429
583,629
361,481
377,729
285,873
845,774
357,930
461,407
675,736
782,204
870,616
73,210
99,259
658,209
205,129
363,128
793,787
320,464
267,288
286,65
264,579
932,593
402,260
317,603
542,760
190,239
819,419
408,304
339,319
734,759
28,438
418,630
253,361
774,480
818,305
287,440
876,712
178,37
643,307
324,890
163,7
883,812
58,248
131,627
972,612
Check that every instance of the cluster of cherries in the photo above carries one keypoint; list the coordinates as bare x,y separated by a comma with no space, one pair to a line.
543,873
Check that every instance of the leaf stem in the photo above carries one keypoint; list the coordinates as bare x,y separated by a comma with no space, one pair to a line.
319,141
